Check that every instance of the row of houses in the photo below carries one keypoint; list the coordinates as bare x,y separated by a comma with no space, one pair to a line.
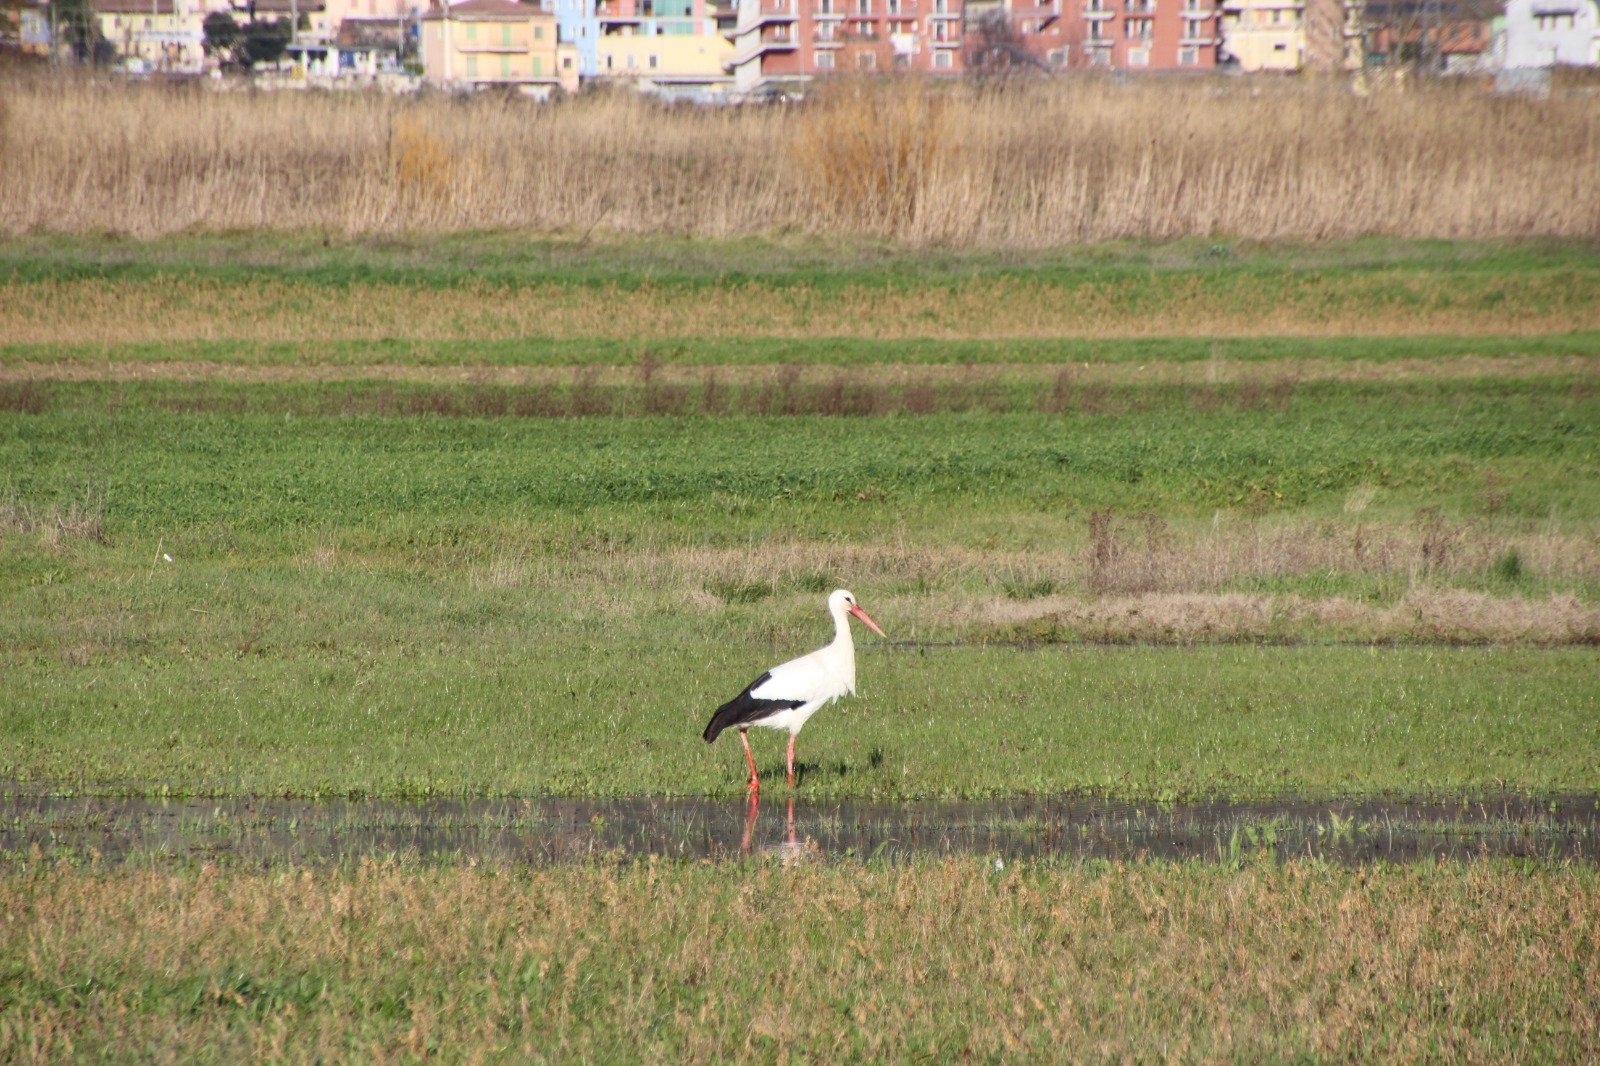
775,46
169,36
745,47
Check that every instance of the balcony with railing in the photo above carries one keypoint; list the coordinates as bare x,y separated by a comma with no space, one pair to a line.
623,11
768,39
754,14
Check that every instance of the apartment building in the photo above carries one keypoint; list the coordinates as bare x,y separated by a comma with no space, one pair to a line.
1138,35
1548,33
654,43
488,43
158,35
789,42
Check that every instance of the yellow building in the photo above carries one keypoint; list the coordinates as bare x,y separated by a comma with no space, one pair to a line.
658,60
1264,34
1290,35
157,35
480,43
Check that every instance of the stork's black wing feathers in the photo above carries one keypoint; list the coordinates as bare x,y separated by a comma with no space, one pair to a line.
745,709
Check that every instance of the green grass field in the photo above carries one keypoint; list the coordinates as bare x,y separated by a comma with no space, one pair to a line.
494,516
394,586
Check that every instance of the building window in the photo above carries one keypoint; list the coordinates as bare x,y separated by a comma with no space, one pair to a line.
866,61
472,66
824,60
1138,57
653,62
472,31
941,59
1188,57
1100,57
1137,29
863,7
505,34
505,66
894,7
631,61
566,63
538,33
538,67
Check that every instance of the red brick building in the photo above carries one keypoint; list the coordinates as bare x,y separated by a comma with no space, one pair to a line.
1152,34
779,43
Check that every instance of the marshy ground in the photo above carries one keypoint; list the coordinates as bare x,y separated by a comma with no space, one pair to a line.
353,588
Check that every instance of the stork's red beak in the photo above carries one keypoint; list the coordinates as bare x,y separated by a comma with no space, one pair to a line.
855,609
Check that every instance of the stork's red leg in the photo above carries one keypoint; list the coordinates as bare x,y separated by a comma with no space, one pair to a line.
755,782
791,760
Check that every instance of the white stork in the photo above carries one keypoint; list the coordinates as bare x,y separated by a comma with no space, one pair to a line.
785,696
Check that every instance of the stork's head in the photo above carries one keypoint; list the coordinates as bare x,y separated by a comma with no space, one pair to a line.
843,601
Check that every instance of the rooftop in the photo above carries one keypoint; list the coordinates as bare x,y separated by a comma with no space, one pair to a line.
486,10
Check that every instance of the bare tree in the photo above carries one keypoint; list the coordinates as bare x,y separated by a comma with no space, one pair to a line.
995,47
1416,37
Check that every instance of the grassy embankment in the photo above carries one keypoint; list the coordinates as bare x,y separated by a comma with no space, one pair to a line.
470,515
653,962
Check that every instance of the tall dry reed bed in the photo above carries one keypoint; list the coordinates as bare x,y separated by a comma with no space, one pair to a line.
1034,164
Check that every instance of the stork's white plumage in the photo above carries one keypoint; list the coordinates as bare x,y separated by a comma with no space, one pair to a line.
786,696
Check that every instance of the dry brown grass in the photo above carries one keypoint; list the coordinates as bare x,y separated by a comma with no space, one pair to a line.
1159,585
1138,555
1422,616
1478,962
83,516
1035,165
1384,302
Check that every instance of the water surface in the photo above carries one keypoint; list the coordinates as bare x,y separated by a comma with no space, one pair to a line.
269,831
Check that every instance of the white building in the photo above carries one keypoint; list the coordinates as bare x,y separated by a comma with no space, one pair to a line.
1547,33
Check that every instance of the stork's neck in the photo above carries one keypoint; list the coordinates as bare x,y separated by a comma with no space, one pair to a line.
841,628
841,654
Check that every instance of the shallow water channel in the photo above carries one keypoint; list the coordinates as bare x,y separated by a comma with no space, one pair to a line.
265,831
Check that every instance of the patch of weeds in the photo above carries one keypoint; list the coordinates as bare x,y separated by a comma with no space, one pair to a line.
24,398
82,516
1509,567
1028,588
815,581
740,591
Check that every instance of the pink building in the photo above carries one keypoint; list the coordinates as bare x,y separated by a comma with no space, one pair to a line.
788,42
